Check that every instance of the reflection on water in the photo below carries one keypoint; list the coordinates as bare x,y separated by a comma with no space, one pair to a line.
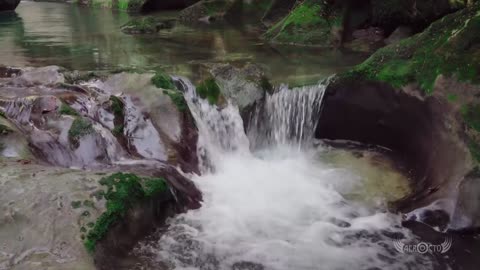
84,38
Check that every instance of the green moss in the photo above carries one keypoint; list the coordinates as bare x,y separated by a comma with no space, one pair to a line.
117,107
310,22
162,80
80,127
123,192
154,186
88,203
90,224
2,114
447,47
178,99
76,204
118,130
209,89
83,229
452,97
141,25
266,85
471,115
67,110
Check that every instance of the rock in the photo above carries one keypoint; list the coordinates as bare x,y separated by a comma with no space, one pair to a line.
310,23
49,75
211,9
147,25
419,98
244,86
402,32
44,211
414,13
277,10
7,5
366,40
52,217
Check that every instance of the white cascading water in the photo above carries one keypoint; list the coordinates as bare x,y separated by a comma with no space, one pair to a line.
279,209
286,117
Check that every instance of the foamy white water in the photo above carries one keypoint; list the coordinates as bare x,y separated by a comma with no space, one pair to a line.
277,209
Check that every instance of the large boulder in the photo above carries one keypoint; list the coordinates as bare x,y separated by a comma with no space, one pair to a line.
6,5
312,22
206,10
420,98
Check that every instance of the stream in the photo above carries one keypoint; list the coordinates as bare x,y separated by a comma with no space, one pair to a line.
274,197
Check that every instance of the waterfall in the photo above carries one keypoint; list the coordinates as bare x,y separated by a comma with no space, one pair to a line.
276,209
220,129
288,116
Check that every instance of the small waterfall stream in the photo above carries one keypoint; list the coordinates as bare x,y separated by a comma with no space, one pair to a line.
278,208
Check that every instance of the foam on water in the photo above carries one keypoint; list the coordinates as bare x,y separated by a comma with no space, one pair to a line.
280,208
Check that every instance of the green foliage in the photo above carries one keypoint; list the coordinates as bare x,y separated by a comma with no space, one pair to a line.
67,110
447,47
2,114
123,192
209,89
162,80
80,127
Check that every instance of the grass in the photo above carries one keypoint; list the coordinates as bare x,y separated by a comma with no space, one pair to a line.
123,192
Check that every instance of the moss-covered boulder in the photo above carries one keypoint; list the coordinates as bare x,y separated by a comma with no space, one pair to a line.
146,25
420,98
206,10
127,5
313,22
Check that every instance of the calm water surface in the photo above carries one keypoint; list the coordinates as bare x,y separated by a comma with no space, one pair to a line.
83,38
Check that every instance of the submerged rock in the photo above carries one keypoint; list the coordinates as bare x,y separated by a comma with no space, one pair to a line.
419,97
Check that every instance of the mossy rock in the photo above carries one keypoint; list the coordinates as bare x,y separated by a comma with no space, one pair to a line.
4,130
141,25
449,47
313,22
123,192
65,109
209,90
117,107
163,80
206,8
80,127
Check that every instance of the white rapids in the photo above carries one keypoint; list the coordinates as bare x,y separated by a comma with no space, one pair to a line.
279,208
